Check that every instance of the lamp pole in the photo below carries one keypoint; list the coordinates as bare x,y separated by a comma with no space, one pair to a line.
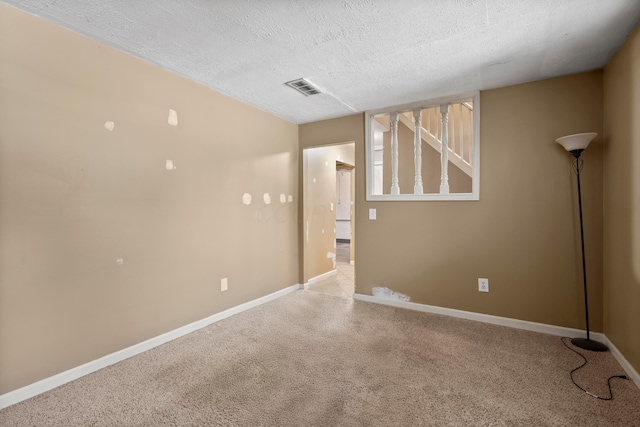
575,144
588,343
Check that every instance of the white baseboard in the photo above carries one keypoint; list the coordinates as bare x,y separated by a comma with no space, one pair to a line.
318,278
513,323
631,372
485,318
52,382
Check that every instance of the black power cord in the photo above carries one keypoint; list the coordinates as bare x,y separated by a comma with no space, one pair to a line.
624,377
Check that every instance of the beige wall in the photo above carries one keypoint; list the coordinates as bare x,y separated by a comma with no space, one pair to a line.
523,233
74,197
622,200
319,184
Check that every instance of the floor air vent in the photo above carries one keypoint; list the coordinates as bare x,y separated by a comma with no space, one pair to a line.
304,87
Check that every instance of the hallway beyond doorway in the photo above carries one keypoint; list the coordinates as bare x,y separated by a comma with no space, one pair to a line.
341,284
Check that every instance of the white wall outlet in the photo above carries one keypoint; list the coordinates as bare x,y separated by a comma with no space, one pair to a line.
224,284
483,285
372,214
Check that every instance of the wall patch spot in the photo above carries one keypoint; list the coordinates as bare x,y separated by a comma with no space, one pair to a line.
108,125
290,198
267,198
173,118
119,260
246,199
169,165
314,180
283,198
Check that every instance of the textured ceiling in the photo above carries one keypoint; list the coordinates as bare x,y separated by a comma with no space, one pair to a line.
364,54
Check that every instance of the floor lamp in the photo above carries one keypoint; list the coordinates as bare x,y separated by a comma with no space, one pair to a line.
575,144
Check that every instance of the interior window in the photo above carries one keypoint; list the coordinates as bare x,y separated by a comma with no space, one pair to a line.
405,155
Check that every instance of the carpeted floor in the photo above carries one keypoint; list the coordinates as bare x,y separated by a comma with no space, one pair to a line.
310,359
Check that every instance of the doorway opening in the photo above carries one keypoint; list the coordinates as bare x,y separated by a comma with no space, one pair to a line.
328,244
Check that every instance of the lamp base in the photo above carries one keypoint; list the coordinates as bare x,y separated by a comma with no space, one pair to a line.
588,344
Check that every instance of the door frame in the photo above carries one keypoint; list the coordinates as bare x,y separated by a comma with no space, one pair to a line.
304,185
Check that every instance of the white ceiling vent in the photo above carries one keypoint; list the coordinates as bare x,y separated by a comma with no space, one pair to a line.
304,87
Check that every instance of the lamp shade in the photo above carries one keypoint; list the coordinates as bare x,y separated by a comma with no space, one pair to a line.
578,141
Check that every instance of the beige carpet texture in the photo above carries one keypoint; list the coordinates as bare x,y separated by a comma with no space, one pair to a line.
311,359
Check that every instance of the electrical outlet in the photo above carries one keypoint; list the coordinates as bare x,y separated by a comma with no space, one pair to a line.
224,284
483,285
372,214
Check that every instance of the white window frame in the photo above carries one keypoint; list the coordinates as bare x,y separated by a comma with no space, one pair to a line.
370,156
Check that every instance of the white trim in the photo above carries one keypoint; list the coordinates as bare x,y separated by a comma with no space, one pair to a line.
57,380
422,197
318,278
631,372
485,318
